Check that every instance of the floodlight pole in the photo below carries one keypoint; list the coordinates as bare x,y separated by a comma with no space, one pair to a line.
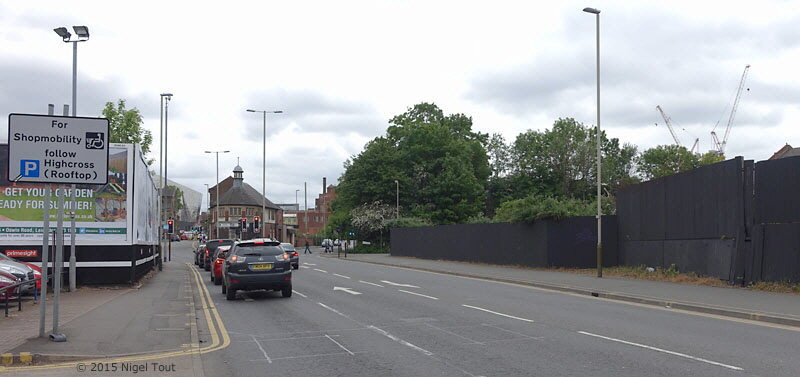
596,12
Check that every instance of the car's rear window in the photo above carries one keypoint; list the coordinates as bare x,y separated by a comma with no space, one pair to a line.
287,246
248,249
212,245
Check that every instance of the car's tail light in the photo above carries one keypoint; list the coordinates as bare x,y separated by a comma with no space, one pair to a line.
234,281
282,257
295,254
218,261
287,277
206,251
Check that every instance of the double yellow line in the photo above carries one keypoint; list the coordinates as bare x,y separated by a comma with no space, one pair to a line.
219,337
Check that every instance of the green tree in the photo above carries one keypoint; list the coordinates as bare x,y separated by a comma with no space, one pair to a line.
665,160
126,125
439,162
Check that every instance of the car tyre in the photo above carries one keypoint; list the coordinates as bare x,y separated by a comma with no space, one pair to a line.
207,267
286,292
296,267
230,295
224,288
217,280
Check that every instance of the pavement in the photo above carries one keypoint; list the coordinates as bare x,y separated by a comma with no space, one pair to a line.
348,318
779,308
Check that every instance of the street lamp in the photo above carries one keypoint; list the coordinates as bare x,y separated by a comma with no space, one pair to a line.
216,217
296,203
397,203
264,167
597,134
82,35
165,98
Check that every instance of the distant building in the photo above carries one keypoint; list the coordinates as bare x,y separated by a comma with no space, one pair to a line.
237,201
786,151
312,221
289,207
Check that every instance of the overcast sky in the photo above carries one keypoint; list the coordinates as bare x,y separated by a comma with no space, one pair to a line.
340,69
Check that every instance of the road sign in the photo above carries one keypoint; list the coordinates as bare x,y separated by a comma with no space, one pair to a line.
55,149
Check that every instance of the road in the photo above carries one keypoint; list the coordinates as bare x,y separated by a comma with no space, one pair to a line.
356,319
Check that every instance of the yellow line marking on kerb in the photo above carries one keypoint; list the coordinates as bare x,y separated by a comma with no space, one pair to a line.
219,337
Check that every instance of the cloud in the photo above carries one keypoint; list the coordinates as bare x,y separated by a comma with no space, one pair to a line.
310,111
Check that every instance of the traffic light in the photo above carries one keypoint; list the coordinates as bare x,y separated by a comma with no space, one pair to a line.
256,224
244,224
170,226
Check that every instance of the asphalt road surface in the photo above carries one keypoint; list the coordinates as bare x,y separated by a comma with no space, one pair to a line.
356,319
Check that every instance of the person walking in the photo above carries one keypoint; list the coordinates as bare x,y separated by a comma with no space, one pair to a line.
307,249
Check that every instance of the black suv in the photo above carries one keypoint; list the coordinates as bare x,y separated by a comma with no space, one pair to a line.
257,264
208,253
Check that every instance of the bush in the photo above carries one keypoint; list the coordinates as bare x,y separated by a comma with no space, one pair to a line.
407,222
369,249
537,207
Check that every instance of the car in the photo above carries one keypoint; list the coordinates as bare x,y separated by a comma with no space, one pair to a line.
20,270
216,267
211,247
185,236
7,279
198,252
254,265
174,238
293,255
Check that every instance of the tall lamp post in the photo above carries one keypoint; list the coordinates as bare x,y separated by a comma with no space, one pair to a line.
264,167
397,202
216,216
596,12
296,203
165,98
82,35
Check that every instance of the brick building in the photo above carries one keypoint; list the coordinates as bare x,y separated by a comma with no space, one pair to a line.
238,200
312,221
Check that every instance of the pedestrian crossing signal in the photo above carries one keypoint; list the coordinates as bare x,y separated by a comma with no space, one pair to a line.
256,224
244,224
170,226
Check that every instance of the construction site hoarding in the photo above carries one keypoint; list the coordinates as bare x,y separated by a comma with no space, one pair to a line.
121,212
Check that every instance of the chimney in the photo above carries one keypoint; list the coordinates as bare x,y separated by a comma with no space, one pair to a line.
324,185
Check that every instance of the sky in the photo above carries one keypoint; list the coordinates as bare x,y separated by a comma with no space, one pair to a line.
339,70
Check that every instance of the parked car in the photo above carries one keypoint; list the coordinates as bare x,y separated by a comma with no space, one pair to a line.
175,238
185,236
21,271
211,247
198,252
216,267
257,264
293,255
7,279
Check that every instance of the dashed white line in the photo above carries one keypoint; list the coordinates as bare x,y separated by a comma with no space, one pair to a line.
366,282
323,271
500,314
311,264
418,294
298,293
340,345
334,310
398,284
401,341
342,276
304,267
262,349
662,350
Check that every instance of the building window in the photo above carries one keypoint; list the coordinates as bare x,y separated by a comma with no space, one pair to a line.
249,212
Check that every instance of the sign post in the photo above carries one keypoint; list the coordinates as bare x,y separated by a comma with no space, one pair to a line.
63,150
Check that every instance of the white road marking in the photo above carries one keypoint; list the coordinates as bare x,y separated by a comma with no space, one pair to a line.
298,293
418,294
336,311
472,341
262,349
310,264
661,350
401,341
501,314
340,345
317,269
304,267
342,276
399,284
348,290
366,282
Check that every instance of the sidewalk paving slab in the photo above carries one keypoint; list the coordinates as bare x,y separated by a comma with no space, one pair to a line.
779,308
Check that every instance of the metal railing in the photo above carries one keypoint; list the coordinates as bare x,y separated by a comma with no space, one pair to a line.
19,294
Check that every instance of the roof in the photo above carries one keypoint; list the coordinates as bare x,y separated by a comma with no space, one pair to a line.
786,151
245,195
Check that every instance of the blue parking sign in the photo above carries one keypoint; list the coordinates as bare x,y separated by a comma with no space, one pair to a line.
29,168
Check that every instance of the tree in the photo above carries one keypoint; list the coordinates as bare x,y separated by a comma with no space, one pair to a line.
665,160
439,162
125,126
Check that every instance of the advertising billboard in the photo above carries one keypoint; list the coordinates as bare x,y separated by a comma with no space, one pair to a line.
102,211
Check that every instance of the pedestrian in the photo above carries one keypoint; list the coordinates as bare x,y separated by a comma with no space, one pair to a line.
307,249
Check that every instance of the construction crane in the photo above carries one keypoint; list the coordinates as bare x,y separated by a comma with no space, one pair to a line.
668,121
720,145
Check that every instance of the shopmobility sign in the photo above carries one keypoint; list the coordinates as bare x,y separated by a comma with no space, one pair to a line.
55,149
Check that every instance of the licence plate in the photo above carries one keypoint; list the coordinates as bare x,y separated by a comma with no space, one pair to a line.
261,266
